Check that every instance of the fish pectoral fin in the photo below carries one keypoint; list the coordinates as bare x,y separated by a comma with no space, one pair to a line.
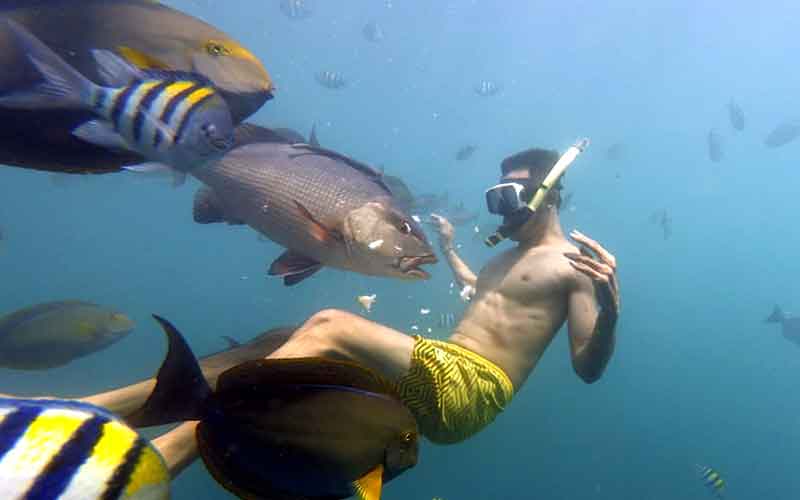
113,70
369,487
141,59
208,208
293,267
100,133
317,229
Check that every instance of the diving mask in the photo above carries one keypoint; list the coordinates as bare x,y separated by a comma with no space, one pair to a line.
508,197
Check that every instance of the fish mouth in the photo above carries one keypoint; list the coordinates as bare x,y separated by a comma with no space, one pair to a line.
409,266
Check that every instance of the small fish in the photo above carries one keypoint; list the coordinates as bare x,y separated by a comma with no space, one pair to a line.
54,333
783,134
663,220
736,115
429,202
56,449
615,151
173,118
296,10
446,320
459,216
487,88
373,32
366,301
331,80
714,140
790,324
465,152
287,428
712,480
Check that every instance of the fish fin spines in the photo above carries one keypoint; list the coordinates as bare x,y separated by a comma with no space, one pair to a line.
369,487
181,390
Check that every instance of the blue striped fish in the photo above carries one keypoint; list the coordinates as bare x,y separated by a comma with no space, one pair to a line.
712,480
486,88
169,117
66,450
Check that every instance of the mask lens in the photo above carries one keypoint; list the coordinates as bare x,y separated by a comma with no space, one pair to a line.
504,199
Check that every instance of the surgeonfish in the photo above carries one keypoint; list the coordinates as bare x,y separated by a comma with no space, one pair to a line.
325,208
287,428
68,450
712,480
144,33
54,333
177,119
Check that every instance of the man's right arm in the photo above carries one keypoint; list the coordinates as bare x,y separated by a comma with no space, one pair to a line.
462,273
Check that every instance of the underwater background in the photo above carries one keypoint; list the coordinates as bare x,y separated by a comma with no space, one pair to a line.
698,377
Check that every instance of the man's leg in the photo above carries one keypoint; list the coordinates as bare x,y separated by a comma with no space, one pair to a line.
336,334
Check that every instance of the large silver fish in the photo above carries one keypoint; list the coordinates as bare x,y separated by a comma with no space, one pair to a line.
325,208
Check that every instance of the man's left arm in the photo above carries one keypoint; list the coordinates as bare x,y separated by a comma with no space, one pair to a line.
593,308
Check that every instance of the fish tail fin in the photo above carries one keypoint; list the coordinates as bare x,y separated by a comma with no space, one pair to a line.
777,315
181,390
62,86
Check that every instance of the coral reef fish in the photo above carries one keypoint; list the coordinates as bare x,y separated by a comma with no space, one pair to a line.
143,32
464,153
54,333
67,450
373,32
790,324
663,220
287,428
735,115
331,80
487,88
176,119
296,9
712,479
714,143
783,134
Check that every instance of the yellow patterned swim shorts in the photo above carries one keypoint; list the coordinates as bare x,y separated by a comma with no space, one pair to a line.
452,392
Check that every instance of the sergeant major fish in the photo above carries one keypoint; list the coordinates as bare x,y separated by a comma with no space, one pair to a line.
331,80
487,88
178,119
325,208
68,450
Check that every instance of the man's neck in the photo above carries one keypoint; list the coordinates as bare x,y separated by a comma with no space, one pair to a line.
546,231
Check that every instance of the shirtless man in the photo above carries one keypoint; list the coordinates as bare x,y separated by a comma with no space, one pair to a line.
522,297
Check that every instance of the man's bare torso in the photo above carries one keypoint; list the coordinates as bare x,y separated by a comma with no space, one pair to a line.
519,305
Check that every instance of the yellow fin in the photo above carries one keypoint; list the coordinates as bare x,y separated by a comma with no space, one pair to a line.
140,59
369,486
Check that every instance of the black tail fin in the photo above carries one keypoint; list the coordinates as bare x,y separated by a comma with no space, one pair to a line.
181,390
777,316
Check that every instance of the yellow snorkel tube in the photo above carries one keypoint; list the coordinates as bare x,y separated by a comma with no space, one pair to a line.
547,184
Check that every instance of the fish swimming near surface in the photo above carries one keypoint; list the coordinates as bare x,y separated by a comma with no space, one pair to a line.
178,119
373,32
664,221
465,153
736,115
331,80
56,449
790,324
143,32
287,428
712,479
296,10
783,134
54,333
487,88
325,208
714,143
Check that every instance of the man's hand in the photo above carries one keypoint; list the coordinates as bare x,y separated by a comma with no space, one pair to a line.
601,269
445,230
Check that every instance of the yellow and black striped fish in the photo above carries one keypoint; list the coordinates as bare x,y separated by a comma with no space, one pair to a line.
712,480
66,450
173,118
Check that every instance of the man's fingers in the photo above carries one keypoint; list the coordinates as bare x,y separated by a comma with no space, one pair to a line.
596,247
598,267
589,271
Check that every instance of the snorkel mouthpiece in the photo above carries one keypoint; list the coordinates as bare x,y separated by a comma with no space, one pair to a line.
551,180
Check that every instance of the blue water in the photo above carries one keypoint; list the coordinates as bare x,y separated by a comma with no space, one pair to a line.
697,376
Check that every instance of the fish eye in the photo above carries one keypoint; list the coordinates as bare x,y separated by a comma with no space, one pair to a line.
217,49
404,227
209,129
407,437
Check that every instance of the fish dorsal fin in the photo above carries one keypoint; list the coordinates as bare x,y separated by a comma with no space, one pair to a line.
265,374
113,70
248,133
318,230
140,59
369,487
370,172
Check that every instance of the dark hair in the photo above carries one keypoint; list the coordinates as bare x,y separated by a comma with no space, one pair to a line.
538,163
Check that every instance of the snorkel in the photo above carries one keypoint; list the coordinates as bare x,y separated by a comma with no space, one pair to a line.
522,215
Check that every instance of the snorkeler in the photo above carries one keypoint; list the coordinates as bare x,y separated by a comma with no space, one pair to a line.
521,298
